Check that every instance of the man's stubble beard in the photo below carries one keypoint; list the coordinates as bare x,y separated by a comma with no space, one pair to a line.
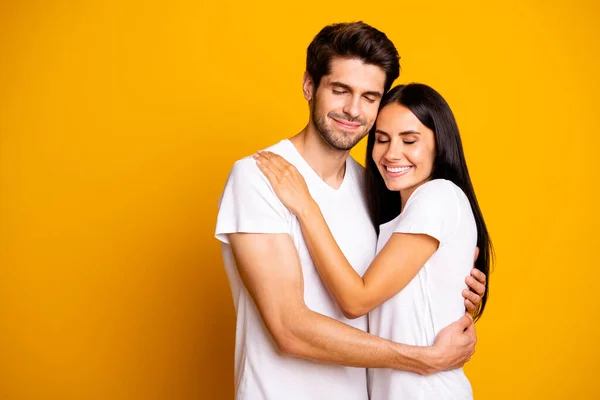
340,142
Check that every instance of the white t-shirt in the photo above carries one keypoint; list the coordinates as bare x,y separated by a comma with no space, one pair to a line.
432,299
248,204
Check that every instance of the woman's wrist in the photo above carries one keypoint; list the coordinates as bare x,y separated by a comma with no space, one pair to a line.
310,209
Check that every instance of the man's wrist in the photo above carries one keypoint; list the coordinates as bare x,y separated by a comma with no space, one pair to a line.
431,358
424,360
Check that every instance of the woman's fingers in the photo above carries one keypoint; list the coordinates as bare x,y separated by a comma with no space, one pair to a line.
480,276
266,157
471,308
264,163
475,284
276,159
280,164
287,170
472,298
277,164
265,168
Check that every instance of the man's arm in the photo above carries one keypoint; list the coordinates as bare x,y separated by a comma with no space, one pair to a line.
270,269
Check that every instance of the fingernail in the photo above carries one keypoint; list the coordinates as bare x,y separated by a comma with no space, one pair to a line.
258,162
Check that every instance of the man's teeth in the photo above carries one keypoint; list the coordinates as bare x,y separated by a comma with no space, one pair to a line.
398,169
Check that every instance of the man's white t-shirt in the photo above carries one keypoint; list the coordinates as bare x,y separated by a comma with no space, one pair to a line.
249,205
432,299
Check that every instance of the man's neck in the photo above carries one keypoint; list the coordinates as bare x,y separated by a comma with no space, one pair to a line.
328,162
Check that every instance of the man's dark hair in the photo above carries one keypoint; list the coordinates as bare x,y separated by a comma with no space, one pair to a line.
352,40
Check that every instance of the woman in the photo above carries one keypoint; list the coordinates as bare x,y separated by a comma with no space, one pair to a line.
421,197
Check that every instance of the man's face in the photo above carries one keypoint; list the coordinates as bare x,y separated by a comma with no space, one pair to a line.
345,105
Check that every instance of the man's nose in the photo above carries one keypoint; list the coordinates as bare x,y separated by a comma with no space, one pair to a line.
352,107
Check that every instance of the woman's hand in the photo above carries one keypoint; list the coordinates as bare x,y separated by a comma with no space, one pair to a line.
476,282
286,181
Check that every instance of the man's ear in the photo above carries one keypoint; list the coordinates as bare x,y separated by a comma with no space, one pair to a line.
308,87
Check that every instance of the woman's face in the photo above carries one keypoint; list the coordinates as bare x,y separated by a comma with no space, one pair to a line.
404,149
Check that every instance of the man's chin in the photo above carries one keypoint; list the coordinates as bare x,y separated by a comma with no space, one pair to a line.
343,145
353,141
341,139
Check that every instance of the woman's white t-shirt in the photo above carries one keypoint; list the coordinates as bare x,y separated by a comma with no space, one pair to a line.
433,299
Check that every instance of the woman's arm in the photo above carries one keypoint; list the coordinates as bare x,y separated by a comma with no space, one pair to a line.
393,268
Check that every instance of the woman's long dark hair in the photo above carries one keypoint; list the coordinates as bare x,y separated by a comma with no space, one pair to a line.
435,113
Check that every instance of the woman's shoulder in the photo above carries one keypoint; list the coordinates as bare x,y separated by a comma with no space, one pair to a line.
438,194
437,187
442,195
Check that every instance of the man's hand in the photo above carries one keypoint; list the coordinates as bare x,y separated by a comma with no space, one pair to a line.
454,345
476,282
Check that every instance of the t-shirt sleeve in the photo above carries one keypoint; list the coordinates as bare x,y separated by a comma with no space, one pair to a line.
249,204
432,210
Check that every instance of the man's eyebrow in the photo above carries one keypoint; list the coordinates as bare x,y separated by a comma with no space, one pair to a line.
348,88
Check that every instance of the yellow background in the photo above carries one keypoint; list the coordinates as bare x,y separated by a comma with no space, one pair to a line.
119,121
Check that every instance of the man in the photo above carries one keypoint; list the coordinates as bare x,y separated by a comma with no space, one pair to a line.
286,319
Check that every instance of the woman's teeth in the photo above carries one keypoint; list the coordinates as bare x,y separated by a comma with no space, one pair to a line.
398,169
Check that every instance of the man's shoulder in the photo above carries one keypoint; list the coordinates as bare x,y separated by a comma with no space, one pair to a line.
282,147
245,173
247,165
